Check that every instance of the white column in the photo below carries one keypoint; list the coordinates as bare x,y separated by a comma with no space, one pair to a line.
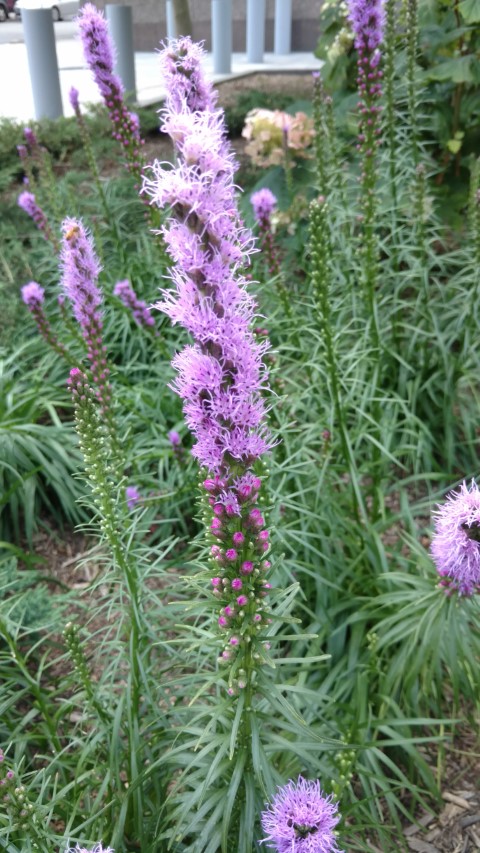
171,28
42,62
120,25
222,36
255,30
283,27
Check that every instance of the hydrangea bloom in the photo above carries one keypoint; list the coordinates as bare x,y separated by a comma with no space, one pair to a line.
98,52
455,545
140,310
221,377
301,819
270,132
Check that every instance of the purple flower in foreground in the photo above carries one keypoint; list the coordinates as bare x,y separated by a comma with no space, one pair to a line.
96,849
221,377
98,52
140,310
132,496
301,819
264,203
455,545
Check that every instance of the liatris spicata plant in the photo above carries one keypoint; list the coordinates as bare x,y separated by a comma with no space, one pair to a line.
301,819
367,19
264,203
455,545
140,310
28,203
98,51
33,295
221,378
81,269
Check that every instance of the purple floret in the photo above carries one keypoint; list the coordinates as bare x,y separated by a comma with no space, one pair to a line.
264,203
455,545
32,294
301,819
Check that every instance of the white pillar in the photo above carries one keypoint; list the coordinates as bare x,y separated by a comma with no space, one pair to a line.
255,30
171,28
42,62
120,25
283,27
222,36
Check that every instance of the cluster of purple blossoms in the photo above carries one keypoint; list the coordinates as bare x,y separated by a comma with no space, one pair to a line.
28,203
455,545
81,268
264,203
98,52
140,310
33,295
221,376
367,18
301,819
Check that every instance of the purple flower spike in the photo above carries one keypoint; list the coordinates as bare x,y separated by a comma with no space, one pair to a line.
367,18
98,51
33,294
30,137
73,96
181,66
140,310
301,819
455,545
81,268
28,203
264,203
221,377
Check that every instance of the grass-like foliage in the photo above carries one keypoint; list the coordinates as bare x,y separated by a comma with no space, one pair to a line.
260,609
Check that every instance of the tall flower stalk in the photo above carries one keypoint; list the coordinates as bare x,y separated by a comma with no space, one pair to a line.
28,203
99,51
221,377
81,269
367,19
